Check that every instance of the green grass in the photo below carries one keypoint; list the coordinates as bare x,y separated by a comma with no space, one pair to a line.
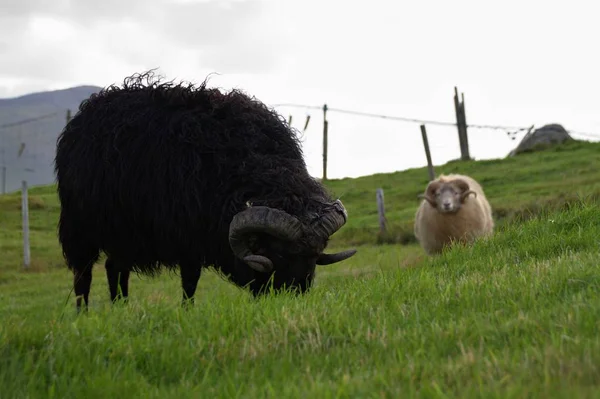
513,316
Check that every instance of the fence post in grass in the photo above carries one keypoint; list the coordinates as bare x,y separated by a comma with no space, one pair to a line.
325,129
427,153
381,210
25,213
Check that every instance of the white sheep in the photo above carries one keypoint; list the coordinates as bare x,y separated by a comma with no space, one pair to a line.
449,213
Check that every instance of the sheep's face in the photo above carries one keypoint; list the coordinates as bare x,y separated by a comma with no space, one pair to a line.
281,251
294,265
447,197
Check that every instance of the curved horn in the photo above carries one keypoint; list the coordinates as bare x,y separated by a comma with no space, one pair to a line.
429,191
461,184
327,259
261,219
428,199
333,220
464,195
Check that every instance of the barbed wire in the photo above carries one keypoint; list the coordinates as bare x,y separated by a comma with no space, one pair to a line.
511,130
345,111
29,120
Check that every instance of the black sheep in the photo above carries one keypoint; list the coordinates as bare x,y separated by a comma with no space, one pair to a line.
161,174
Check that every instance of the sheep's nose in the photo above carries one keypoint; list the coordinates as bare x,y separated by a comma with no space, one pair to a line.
447,206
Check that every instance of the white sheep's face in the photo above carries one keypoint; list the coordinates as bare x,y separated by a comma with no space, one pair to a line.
447,197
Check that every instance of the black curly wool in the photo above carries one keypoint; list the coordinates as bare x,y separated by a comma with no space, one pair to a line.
152,173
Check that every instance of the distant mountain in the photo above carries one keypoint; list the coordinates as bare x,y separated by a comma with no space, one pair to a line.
58,98
27,149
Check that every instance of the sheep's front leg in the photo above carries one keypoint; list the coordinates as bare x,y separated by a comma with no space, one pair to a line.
190,274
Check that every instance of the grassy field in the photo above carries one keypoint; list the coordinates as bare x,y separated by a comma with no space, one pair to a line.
514,316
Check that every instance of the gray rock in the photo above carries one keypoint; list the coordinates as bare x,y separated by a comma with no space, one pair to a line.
543,137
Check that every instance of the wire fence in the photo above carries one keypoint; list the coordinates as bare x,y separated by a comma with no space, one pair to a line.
27,145
507,129
387,146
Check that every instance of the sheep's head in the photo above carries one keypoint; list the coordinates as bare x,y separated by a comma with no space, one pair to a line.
274,247
447,196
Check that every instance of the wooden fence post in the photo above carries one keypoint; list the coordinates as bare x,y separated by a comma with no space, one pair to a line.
461,124
381,210
25,213
464,126
325,129
306,123
427,153
68,115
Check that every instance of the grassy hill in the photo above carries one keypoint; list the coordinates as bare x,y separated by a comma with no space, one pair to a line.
513,316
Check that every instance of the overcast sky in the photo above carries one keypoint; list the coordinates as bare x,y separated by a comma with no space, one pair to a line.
518,62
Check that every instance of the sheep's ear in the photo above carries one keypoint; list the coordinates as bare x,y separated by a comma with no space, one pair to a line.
462,185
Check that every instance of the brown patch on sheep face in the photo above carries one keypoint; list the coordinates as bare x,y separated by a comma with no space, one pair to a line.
447,196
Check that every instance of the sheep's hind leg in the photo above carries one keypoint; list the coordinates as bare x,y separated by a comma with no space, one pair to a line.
80,255
82,282
117,275
190,274
82,265
81,262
